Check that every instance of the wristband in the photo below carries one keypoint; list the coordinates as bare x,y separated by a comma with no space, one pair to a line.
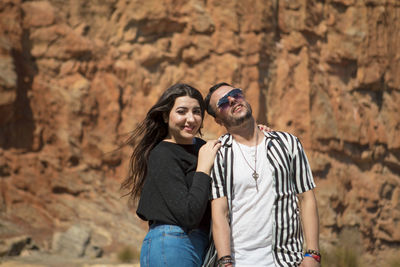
315,257
313,252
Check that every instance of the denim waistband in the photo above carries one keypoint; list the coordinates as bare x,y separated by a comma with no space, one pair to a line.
153,224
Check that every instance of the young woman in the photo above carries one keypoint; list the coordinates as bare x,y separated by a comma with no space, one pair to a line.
169,174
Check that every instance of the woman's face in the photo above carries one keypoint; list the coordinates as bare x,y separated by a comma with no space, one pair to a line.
184,120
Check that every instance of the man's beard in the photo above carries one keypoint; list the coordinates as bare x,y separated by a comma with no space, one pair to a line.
232,121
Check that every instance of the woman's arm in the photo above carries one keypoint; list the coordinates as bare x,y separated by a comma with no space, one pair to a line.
169,177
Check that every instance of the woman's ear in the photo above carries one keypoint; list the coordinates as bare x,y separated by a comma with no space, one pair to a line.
165,117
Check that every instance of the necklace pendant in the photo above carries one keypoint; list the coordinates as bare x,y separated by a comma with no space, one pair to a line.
255,175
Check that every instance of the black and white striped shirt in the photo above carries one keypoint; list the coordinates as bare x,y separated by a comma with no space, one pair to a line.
291,176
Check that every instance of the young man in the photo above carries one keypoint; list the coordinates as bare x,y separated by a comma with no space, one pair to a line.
257,180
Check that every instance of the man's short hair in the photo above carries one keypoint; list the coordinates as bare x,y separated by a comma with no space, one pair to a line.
209,108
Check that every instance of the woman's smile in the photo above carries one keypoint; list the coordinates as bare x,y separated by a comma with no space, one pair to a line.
184,120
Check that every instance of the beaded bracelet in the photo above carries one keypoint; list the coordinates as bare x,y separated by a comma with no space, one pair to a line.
225,260
313,252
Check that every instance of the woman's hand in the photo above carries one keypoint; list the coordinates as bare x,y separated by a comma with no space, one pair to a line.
264,128
207,155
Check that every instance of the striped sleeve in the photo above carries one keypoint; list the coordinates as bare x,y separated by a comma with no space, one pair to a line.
217,177
302,174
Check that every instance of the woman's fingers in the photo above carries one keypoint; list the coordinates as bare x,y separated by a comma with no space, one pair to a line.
263,127
207,155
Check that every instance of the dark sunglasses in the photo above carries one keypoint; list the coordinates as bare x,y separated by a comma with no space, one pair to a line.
223,102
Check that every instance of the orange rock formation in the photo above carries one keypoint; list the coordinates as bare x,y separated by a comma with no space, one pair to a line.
77,76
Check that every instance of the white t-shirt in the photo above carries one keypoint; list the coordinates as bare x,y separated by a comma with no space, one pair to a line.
251,225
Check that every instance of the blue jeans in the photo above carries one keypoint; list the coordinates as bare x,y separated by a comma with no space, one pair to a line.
170,245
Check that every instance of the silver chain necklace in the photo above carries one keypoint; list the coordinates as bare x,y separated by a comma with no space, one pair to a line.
255,174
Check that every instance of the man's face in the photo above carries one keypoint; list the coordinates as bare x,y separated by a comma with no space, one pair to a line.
231,108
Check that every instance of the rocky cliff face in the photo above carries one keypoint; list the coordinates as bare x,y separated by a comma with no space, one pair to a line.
77,76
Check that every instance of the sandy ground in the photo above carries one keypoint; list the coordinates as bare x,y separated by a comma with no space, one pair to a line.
57,261
20,264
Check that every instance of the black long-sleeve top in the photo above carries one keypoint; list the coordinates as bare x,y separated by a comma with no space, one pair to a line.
173,192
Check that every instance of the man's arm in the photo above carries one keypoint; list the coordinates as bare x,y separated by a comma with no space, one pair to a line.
309,216
220,226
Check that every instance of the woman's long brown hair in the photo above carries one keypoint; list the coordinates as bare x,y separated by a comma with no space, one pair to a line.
150,132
